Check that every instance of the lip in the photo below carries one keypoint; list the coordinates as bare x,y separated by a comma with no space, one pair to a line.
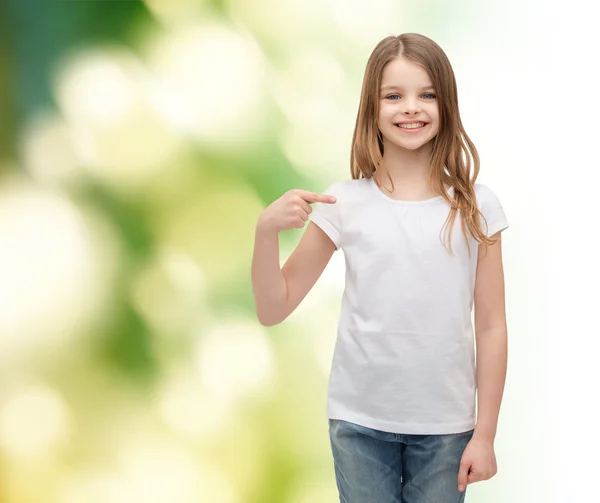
410,131
410,122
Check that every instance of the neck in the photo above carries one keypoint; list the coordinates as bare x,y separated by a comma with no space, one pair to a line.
408,168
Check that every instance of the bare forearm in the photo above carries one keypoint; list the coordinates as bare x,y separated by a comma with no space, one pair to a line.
491,377
268,284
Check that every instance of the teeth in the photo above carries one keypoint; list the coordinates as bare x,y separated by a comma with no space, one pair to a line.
414,125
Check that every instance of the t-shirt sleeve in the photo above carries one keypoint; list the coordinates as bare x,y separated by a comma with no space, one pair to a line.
328,216
492,210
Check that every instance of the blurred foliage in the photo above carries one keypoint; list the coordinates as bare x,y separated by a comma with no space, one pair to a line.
133,366
40,32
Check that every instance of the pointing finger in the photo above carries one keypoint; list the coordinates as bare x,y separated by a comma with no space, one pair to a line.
313,197
323,198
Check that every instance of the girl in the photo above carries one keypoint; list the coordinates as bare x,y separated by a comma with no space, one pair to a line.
402,389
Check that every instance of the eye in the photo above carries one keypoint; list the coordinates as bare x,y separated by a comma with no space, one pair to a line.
426,94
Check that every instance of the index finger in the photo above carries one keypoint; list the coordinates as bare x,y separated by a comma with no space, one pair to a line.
313,197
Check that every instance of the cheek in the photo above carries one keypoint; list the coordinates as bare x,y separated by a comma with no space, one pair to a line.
383,116
387,110
435,119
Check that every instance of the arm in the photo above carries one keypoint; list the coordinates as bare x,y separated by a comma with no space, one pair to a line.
491,338
278,292
268,284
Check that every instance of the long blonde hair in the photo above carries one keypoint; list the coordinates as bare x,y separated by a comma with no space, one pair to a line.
448,167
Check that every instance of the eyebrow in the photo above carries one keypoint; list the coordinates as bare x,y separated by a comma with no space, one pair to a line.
400,87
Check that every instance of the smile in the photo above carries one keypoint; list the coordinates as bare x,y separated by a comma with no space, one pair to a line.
412,128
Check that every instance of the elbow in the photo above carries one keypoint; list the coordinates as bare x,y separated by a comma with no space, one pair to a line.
271,315
268,321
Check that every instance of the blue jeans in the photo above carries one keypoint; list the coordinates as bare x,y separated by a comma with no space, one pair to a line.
373,466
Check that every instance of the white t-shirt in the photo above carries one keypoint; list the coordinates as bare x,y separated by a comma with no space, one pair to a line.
404,357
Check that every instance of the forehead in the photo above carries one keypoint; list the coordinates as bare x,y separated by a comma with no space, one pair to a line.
401,72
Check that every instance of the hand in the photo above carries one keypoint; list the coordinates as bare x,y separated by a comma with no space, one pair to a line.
478,462
291,210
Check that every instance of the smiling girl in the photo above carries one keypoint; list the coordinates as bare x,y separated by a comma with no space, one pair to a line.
404,379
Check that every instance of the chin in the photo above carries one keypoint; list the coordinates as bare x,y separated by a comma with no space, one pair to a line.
412,145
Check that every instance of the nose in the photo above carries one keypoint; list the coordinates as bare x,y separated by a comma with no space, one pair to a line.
411,107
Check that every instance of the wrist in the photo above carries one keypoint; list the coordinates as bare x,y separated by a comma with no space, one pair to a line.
263,226
484,434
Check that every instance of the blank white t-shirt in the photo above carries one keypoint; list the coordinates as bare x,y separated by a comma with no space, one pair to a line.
404,358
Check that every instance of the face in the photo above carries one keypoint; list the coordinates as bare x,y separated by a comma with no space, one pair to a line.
406,95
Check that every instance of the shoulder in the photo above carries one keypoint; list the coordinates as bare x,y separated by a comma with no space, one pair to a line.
482,190
491,208
347,188
485,195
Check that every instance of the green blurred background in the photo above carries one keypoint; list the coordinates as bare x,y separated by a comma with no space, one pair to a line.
139,142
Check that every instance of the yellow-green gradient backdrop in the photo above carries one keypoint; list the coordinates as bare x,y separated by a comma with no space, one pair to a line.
139,142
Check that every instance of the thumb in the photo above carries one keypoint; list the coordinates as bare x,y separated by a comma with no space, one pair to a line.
462,475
